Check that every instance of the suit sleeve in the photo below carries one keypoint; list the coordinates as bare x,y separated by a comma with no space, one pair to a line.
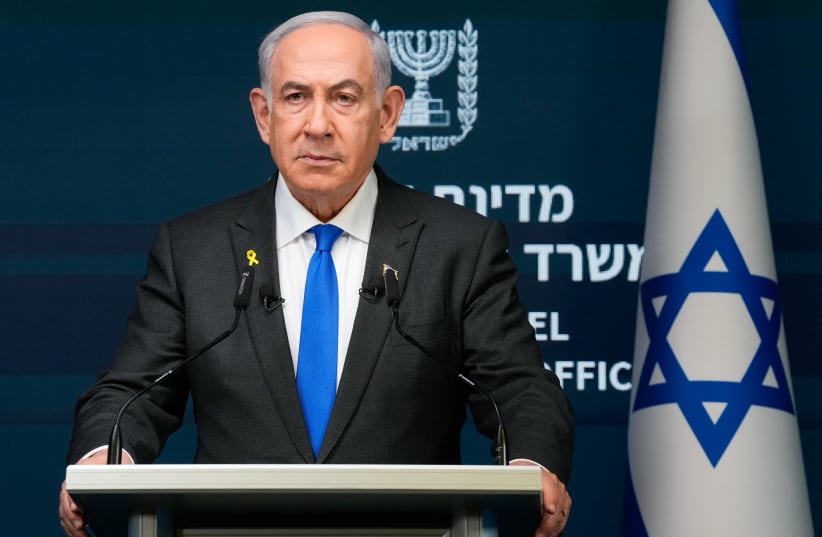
501,354
154,342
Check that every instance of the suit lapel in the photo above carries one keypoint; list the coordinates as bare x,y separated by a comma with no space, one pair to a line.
394,235
255,230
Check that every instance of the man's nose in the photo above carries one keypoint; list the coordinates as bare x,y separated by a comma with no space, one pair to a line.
318,122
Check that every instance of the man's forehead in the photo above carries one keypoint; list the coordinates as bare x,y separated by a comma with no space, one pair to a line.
323,40
331,52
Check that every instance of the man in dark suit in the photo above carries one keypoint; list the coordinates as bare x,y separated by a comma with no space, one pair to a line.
324,108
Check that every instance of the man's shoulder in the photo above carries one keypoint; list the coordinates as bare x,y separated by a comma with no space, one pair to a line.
426,205
225,211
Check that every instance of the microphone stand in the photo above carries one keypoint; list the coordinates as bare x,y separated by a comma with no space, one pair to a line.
392,299
241,302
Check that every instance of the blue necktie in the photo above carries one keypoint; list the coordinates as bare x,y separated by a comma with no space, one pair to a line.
317,362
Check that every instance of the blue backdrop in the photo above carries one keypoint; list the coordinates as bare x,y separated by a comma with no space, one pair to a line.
118,116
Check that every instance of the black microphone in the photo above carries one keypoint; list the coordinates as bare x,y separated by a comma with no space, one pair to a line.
241,301
243,297
270,301
392,299
392,288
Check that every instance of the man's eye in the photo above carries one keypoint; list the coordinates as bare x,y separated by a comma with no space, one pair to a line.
294,97
345,98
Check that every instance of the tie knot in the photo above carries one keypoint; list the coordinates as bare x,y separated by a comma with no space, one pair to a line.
326,234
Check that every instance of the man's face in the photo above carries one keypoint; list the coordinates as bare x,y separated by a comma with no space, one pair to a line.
324,124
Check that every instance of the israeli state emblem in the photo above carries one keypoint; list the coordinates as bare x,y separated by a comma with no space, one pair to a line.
422,55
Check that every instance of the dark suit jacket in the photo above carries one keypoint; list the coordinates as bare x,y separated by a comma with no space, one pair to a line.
395,405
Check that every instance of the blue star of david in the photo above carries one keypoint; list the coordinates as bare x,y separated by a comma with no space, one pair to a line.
690,394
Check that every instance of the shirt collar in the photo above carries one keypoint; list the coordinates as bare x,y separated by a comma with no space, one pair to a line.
355,219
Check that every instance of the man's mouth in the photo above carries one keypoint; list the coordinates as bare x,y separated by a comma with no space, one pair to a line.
318,159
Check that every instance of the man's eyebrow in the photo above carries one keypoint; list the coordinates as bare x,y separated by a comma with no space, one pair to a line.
349,84
296,86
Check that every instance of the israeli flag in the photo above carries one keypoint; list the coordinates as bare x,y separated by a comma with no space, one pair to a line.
713,439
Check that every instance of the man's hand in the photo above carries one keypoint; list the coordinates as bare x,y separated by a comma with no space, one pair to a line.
71,516
556,503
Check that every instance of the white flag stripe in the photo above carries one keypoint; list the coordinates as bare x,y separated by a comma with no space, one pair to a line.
705,149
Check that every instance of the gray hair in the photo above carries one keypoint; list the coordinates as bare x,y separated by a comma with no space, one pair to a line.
381,69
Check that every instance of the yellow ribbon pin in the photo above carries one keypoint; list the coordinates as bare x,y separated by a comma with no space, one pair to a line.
252,258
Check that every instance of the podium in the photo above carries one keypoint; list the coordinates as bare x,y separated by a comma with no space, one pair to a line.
300,500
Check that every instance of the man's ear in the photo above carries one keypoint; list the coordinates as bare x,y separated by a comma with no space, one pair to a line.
392,103
262,114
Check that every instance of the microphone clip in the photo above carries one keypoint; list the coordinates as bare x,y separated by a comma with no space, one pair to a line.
371,294
271,303
372,289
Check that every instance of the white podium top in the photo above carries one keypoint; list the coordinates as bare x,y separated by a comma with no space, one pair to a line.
293,495
304,478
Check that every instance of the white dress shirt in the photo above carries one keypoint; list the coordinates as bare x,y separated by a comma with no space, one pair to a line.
295,246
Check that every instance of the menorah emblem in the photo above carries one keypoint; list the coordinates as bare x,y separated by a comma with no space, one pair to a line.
423,62
424,59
